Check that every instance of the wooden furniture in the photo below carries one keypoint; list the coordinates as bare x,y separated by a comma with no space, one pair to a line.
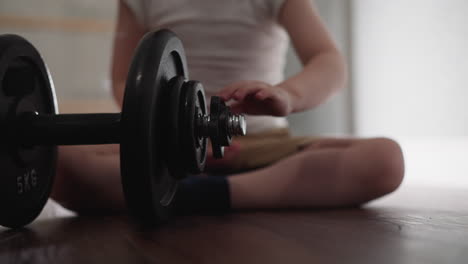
414,225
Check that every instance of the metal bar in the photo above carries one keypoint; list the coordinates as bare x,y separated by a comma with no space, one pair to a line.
68,129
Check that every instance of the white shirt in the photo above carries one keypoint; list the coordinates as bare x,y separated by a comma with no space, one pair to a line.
225,41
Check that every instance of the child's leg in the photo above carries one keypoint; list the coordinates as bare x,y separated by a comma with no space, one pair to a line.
88,179
329,172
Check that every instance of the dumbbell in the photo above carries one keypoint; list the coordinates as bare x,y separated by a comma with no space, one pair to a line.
162,130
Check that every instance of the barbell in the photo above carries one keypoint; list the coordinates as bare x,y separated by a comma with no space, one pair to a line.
162,130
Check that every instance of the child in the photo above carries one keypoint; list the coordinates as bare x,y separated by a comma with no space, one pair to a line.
237,50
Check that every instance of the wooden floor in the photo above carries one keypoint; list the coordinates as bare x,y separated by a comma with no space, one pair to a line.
411,226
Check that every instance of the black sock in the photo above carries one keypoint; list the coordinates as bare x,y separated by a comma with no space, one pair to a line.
202,195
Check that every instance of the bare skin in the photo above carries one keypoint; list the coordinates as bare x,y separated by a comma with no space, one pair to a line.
329,172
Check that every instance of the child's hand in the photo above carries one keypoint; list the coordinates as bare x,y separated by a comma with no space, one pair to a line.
257,98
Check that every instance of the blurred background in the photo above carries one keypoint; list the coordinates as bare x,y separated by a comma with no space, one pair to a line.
408,67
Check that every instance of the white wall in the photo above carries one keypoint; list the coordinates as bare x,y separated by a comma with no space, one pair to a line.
411,67
410,70
74,38
335,115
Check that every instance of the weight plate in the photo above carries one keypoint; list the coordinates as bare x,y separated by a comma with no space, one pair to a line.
26,172
193,108
147,183
218,126
174,129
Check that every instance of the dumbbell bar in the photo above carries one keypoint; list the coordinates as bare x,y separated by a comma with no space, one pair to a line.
162,129
32,129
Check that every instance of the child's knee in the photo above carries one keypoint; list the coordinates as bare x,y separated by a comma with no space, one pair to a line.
386,165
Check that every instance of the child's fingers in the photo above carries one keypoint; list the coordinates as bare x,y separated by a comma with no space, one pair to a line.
249,88
230,91
263,94
237,108
250,109
242,92
227,92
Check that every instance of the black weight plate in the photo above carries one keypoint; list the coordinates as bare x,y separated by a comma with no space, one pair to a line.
26,173
193,107
174,129
218,135
146,181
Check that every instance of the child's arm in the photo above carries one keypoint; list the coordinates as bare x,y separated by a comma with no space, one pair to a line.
324,69
127,35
